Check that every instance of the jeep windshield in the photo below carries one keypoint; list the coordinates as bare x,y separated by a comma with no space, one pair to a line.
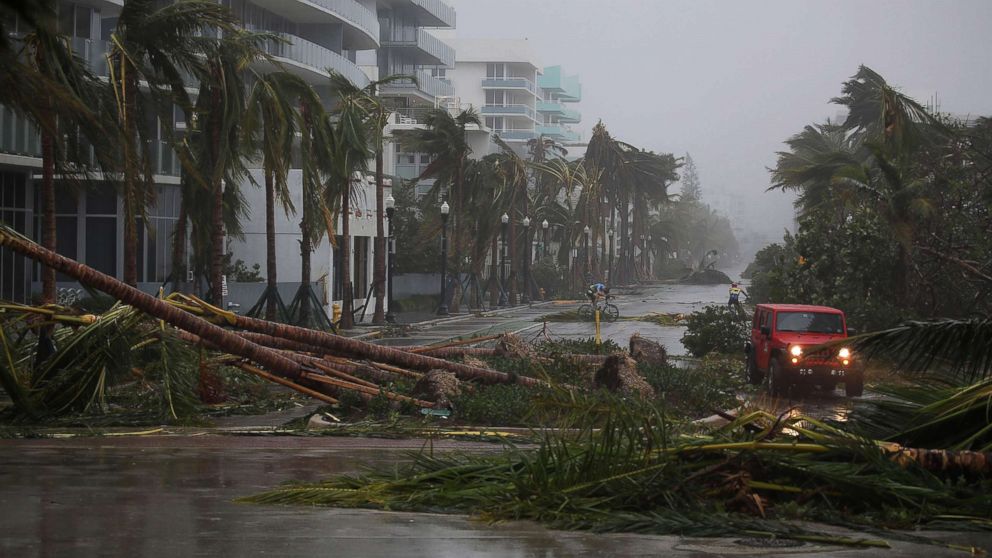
809,322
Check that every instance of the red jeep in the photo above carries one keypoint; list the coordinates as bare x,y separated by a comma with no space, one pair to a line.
781,336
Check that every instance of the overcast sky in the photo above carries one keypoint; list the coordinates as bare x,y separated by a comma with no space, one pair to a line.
729,81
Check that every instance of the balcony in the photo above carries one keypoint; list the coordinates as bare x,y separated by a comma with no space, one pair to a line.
361,25
559,133
93,53
509,110
519,83
428,87
426,49
567,88
570,116
516,135
311,61
18,136
550,107
434,13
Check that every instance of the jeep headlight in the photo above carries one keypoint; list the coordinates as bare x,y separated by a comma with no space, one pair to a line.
844,353
796,350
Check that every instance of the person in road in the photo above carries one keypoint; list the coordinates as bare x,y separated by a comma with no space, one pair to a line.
735,297
597,291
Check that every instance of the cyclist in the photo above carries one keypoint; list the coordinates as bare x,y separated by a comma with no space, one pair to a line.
597,291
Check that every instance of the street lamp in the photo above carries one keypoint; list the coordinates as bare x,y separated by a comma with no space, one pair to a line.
588,262
528,248
544,243
390,204
505,220
443,308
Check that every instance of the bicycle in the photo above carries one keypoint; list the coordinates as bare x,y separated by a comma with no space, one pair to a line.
607,312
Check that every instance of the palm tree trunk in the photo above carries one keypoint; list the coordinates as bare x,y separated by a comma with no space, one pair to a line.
305,273
379,266
270,244
217,213
131,155
225,341
179,248
347,320
459,214
48,294
494,273
514,264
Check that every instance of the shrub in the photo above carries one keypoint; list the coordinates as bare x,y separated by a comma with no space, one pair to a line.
715,329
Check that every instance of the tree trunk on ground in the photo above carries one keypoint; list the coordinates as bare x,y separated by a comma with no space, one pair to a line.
270,244
48,291
347,319
225,341
379,266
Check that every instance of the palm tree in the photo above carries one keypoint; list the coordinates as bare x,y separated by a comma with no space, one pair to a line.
444,139
221,106
158,47
269,129
75,121
367,99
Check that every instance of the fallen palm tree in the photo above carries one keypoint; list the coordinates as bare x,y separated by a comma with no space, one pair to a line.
627,467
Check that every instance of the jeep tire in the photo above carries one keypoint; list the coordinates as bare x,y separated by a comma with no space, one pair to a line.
854,386
777,386
751,372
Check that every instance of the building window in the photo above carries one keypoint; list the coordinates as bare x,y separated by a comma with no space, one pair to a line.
495,70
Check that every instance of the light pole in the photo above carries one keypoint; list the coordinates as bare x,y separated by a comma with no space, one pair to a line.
588,262
390,203
442,310
544,241
527,250
505,220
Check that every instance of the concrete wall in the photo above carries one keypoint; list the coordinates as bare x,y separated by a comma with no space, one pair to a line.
410,284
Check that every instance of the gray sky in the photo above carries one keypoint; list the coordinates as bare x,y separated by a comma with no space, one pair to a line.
729,81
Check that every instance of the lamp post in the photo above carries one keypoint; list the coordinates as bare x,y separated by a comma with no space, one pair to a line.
528,246
544,241
390,204
587,260
442,310
504,220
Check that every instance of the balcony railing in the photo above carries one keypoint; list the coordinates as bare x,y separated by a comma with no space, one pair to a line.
560,133
427,84
439,52
93,53
516,135
443,13
570,116
551,107
509,83
18,135
316,58
353,12
508,110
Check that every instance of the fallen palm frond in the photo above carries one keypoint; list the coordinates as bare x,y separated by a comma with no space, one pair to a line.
627,466
961,347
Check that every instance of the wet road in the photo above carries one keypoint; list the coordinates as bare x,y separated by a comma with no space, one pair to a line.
169,496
